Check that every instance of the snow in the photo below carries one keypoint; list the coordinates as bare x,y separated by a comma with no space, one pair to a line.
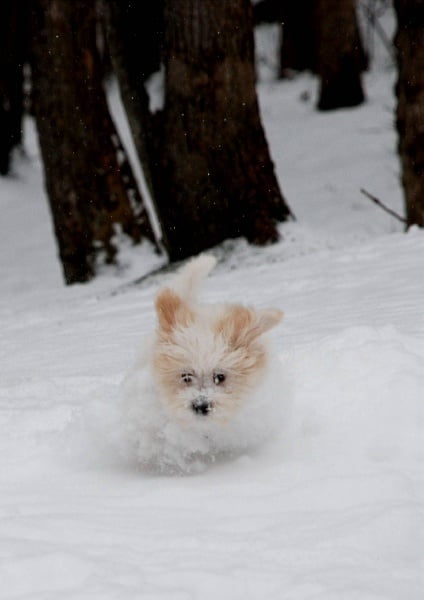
334,509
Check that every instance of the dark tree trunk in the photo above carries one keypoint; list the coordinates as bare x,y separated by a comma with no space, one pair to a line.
215,178
139,27
13,54
296,19
409,43
90,186
341,57
298,44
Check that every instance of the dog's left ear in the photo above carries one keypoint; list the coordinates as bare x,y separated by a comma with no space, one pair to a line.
267,318
242,325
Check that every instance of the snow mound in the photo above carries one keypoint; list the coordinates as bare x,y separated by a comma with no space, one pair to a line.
358,395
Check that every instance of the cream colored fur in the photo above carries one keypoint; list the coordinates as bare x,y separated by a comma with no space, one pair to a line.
204,383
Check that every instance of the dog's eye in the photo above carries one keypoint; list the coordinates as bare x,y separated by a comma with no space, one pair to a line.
187,377
218,378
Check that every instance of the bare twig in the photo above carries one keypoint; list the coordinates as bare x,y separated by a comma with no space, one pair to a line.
383,206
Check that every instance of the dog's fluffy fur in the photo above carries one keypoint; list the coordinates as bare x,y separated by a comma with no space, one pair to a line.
206,384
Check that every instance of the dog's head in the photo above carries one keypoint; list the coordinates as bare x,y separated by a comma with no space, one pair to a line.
208,359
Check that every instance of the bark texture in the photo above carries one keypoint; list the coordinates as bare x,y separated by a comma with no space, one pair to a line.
89,182
215,178
409,43
13,54
341,57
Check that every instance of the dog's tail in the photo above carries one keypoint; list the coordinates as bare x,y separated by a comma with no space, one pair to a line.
189,278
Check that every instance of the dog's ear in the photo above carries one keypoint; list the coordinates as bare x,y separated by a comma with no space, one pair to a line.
242,325
171,310
267,318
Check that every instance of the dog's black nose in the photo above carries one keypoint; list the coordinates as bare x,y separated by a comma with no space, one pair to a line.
201,406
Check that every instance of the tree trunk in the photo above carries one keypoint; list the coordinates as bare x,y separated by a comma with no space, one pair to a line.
296,19
139,26
409,43
13,54
90,186
298,44
341,57
215,178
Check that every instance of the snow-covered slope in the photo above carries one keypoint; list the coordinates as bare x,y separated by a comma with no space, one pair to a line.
331,511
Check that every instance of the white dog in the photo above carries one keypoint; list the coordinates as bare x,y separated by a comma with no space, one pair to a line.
207,384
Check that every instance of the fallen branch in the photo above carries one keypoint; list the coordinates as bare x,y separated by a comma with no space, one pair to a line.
383,206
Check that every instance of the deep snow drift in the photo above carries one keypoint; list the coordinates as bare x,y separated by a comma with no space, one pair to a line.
331,511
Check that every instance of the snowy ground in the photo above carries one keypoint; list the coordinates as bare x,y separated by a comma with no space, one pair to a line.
332,512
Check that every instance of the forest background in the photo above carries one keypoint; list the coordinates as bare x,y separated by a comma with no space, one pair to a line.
207,174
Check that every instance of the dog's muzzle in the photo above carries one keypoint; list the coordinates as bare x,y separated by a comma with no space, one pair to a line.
201,405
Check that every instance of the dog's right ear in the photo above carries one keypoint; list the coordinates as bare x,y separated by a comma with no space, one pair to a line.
171,310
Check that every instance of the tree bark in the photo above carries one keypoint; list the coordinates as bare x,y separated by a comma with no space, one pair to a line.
341,57
298,44
13,55
409,42
215,179
91,189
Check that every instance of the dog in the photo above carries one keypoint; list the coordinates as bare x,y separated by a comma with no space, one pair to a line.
207,384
